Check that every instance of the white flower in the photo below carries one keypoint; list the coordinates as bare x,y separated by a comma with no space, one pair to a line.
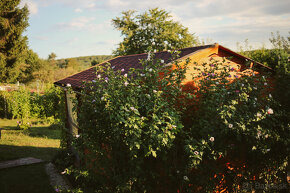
77,136
255,99
142,74
93,81
185,178
139,86
113,67
196,152
155,50
255,88
243,85
68,85
259,133
154,91
270,111
153,43
211,139
148,57
103,98
259,115
230,125
150,70
162,61
122,70
268,150
265,84
99,76
63,172
126,83
148,95
125,75
168,50
266,136
217,82
270,96
132,108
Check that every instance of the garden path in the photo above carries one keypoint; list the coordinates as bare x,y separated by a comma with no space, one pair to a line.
19,162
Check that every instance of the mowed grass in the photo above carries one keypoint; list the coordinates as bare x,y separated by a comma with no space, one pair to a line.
39,142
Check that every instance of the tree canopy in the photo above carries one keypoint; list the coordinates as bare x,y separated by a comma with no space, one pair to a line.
13,45
152,30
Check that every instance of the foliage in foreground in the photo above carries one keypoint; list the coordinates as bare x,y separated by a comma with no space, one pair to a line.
143,134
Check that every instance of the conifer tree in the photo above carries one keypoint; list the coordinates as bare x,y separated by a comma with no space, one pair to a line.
152,30
13,45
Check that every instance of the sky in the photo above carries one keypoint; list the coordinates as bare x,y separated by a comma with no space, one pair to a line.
72,28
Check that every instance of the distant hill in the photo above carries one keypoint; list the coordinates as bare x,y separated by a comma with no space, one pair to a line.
83,61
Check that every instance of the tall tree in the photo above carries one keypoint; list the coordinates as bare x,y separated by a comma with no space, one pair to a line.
152,30
13,45
52,56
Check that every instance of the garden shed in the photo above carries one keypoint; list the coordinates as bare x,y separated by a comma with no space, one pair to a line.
198,55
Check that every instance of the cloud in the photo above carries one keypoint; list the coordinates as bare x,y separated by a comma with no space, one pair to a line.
42,38
32,6
87,24
223,21
78,10
75,24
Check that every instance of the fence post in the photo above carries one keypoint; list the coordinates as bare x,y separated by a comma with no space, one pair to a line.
5,110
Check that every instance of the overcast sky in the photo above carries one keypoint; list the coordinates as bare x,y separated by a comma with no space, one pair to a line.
73,28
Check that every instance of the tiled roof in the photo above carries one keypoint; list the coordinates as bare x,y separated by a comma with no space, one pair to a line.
124,62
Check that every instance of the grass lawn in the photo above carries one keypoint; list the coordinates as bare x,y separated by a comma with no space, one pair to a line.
39,142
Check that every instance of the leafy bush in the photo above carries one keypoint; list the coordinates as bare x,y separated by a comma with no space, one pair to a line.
140,133
22,104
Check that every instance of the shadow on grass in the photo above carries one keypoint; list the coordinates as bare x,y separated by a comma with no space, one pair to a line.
25,179
37,131
44,132
9,128
9,152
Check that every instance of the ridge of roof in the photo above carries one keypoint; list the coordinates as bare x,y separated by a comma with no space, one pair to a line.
164,51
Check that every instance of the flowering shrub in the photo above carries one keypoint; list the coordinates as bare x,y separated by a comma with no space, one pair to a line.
23,125
140,133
